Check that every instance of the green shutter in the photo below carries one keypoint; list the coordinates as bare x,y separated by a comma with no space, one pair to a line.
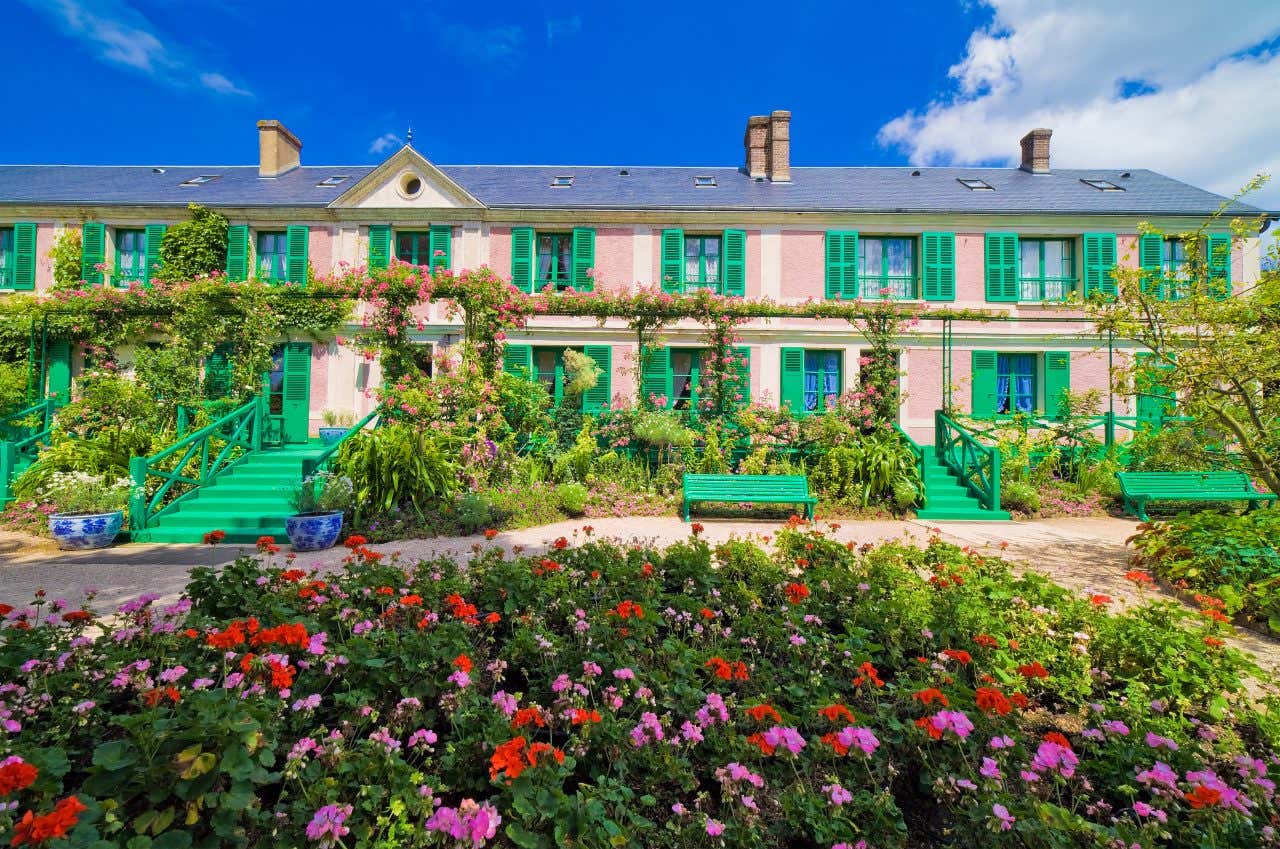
57,381
842,264
939,266
296,392
1218,264
735,263
441,246
522,258
218,372
1099,262
672,265
295,262
742,384
1151,260
596,399
24,255
518,360
584,258
93,251
791,392
1057,379
656,376
379,246
237,252
1002,267
155,235
983,383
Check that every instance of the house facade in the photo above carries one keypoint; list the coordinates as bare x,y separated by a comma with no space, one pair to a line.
1019,243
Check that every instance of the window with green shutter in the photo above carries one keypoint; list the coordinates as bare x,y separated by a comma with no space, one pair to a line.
1099,262
379,246
441,246
24,255
1217,254
702,263
982,383
584,259
93,250
887,267
273,253
597,398
791,385
131,257
1057,380
1046,269
841,272
547,367
1015,383
672,260
655,377
518,360
298,238
1164,266
8,259
155,238
734,247
522,258
237,252
555,261
938,267
1001,267
822,381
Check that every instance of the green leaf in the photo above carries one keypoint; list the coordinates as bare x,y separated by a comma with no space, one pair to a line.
114,755
521,836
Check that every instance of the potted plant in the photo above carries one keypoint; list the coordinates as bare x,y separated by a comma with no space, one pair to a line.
335,425
319,501
90,508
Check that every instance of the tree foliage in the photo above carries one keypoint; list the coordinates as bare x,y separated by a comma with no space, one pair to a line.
194,247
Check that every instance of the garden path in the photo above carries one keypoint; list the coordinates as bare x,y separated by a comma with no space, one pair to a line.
1085,554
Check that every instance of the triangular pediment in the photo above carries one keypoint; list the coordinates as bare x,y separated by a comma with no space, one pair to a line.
406,181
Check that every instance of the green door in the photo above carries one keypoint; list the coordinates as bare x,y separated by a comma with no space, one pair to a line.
289,391
58,371
1155,401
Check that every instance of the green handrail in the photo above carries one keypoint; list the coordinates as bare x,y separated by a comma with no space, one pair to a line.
310,465
29,438
215,448
916,451
977,465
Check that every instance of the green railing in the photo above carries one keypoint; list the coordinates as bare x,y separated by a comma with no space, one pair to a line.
24,433
311,465
977,465
192,462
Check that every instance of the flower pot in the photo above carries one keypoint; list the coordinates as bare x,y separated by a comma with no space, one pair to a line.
79,531
313,531
330,435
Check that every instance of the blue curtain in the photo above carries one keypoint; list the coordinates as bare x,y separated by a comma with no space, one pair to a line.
811,390
1003,401
1024,367
831,378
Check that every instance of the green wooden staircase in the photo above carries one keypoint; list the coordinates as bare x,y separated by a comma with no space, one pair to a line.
247,500
946,498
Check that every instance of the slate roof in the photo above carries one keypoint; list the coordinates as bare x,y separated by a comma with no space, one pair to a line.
834,189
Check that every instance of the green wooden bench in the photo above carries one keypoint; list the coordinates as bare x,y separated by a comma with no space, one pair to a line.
1142,488
749,489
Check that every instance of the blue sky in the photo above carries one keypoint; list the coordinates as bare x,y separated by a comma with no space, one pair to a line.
1168,85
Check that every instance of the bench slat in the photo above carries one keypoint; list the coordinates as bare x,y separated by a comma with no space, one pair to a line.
1139,488
748,489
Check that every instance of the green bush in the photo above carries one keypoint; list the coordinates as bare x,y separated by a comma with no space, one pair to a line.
474,512
195,246
398,467
572,498
1019,496
874,467
1235,558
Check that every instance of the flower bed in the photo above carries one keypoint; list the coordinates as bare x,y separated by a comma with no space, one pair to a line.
1234,559
825,695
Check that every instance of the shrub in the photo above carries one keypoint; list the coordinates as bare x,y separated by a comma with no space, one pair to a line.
572,498
323,492
877,466
66,256
606,695
396,466
1234,558
474,512
1019,496
194,247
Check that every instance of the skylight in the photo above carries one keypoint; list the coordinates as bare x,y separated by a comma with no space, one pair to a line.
200,181
562,182
976,185
331,181
1103,185
704,182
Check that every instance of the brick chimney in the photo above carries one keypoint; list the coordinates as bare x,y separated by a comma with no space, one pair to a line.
778,151
1035,151
755,142
279,151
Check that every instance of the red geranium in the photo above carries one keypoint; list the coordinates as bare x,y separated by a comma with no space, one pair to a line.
958,655
37,829
762,712
991,700
214,537
835,713
930,695
1033,670
797,593
16,776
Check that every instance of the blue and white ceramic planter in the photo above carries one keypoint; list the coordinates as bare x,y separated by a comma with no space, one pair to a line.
330,435
313,531
85,531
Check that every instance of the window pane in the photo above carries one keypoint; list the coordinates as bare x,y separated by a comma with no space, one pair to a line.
544,257
1053,258
566,258
899,257
1030,259
711,247
872,254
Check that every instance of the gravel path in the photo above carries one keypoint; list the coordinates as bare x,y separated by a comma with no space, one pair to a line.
1085,554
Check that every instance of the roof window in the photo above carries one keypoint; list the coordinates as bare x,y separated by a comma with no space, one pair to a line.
201,180
328,182
562,182
704,182
976,185
1103,185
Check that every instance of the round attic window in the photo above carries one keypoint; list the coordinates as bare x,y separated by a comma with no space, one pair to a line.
410,185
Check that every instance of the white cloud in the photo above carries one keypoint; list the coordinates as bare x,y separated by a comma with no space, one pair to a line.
385,142
1202,80
121,35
